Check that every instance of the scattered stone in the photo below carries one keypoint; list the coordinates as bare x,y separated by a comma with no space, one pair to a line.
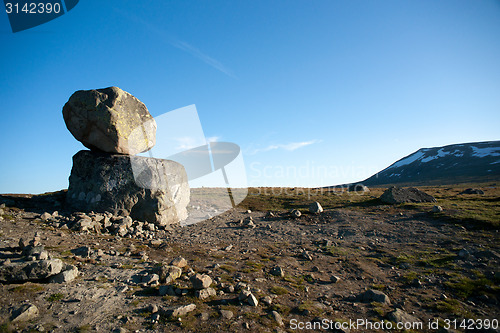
204,316
30,270
205,293
267,300
247,296
244,295
277,271
83,251
168,274
45,216
152,308
201,281
399,316
179,262
226,314
315,208
270,215
277,318
358,188
178,311
463,253
166,290
295,213
229,289
334,279
372,295
151,279
248,223
472,191
110,120
120,330
25,312
252,300
397,195
305,255
69,273
437,209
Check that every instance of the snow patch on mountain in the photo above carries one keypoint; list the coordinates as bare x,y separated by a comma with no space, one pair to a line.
410,159
483,152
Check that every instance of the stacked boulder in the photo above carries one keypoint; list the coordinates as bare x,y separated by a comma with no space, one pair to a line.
109,177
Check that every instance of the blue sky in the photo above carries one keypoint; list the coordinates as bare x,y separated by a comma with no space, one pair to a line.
315,92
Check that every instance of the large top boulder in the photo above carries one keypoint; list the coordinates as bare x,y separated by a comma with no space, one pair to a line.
396,195
110,120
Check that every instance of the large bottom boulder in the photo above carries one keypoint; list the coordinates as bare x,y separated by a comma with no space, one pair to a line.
396,195
148,189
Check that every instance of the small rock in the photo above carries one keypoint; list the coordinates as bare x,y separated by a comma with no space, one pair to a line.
372,295
472,191
277,317
437,209
248,297
83,251
45,216
25,312
252,300
166,290
334,279
201,281
267,300
151,279
277,271
22,243
226,314
305,255
152,308
204,316
315,208
168,274
69,273
244,295
204,293
120,330
179,311
295,213
179,262
270,214
399,316
248,223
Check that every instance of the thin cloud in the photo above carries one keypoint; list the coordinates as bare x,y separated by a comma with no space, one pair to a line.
202,56
181,45
288,146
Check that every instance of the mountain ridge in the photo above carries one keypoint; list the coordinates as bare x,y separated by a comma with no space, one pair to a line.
451,164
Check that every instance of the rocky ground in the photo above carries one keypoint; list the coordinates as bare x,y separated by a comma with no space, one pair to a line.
245,271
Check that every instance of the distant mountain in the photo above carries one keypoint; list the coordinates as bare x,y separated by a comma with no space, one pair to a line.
453,164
